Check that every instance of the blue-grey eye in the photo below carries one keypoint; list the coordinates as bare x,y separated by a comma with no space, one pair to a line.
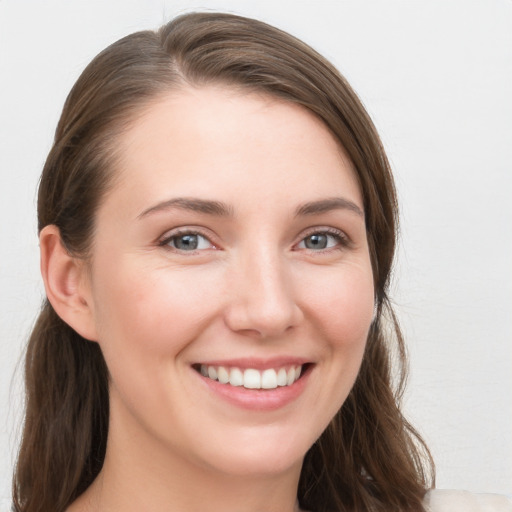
319,241
189,242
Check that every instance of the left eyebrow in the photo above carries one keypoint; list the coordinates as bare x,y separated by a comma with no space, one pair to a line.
327,205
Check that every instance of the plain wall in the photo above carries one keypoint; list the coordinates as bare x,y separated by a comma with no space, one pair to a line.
436,77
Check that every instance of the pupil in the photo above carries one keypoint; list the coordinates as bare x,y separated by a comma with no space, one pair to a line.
186,242
316,242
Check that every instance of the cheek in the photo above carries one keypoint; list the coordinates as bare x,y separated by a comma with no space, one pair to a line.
151,311
339,304
342,304
343,312
146,319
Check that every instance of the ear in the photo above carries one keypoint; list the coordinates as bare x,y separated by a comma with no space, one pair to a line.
67,283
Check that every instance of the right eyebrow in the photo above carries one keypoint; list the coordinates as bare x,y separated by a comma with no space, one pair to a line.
216,208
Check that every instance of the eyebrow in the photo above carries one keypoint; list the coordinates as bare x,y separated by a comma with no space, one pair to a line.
216,208
221,209
327,205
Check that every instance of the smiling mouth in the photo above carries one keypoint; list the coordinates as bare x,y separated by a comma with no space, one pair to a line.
251,378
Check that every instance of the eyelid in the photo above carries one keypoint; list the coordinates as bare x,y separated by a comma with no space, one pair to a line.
340,235
164,240
343,238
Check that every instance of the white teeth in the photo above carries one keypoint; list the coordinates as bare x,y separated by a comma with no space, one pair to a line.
269,379
281,377
236,377
251,378
223,375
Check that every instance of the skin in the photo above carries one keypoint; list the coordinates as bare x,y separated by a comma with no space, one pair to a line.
254,288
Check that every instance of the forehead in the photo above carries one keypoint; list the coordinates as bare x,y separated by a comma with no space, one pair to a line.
199,140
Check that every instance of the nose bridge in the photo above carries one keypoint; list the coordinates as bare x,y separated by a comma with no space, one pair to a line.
264,301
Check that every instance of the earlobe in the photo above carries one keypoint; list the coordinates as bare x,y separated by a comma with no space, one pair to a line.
66,284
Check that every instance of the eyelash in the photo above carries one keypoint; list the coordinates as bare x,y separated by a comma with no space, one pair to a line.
180,233
341,238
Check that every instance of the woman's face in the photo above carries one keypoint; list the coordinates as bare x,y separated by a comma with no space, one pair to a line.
230,255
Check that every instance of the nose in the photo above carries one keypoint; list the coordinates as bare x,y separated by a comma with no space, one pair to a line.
262,297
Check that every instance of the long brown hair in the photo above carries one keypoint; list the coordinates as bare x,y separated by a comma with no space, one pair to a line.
369,458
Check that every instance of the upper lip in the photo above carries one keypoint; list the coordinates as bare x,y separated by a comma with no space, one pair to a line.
256,363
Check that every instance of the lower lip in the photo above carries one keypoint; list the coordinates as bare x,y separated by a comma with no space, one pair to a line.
258,399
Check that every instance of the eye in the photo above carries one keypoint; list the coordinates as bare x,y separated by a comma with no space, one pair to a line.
187,242
322,240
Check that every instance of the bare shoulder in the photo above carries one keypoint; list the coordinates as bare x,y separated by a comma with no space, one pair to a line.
440,500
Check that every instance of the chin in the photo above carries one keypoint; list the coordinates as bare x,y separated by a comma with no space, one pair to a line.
257,453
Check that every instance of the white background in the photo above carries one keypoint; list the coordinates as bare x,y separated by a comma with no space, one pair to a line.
436,76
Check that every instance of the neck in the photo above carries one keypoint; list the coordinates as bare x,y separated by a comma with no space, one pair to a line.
141,474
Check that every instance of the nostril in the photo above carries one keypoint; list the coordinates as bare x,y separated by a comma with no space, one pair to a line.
263,320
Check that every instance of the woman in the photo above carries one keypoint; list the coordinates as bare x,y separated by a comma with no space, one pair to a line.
217,226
